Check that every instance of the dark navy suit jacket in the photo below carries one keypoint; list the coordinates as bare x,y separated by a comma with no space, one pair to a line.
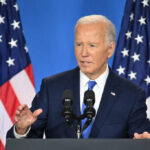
119,115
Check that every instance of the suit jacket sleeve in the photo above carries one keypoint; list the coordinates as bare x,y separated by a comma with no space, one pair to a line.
40,101
138,121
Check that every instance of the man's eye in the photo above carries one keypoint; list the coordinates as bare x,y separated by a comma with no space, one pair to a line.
78,44
92,45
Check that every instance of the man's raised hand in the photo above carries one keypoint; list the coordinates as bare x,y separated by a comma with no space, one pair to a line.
24,118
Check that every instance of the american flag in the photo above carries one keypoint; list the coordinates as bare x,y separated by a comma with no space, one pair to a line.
16,75
132,57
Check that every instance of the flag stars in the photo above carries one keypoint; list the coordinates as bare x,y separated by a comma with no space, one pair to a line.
121,70
128,34
10,62
15,24
148,62
3,2
136,57
1,19
142,20
13,43
16,7
0,38
145,3
132,75
131,16
139,39
26,49
125,52
147,80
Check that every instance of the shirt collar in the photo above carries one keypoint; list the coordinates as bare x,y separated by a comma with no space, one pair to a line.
100,80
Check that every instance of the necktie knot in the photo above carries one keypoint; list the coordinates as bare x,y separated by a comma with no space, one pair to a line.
91,85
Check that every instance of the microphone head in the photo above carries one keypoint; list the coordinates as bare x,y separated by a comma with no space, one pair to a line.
67,96
89,97
67,102
89,100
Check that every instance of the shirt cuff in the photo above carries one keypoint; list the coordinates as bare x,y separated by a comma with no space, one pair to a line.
19,136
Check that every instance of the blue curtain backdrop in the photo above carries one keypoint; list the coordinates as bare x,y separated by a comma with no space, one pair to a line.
49,30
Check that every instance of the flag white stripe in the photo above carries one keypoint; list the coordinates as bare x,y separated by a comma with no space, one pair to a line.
5,123
148,107
23,87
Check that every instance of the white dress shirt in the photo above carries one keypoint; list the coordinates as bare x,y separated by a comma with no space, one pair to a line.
98,88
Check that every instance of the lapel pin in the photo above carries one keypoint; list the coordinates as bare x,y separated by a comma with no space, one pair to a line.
113,94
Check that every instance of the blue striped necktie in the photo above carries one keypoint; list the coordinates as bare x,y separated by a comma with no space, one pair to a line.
86,132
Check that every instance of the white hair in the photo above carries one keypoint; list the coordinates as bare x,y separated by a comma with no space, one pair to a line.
111,31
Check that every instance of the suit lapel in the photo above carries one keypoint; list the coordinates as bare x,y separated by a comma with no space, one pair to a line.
73,85
76,92
109,97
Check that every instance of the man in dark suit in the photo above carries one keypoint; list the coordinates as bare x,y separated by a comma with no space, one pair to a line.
120,105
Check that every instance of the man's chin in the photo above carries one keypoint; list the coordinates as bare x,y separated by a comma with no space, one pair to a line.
86,71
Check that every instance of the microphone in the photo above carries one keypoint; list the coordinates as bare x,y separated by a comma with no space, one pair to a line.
89,111
89,100
67,102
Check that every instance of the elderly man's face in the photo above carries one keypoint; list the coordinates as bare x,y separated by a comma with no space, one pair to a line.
91,49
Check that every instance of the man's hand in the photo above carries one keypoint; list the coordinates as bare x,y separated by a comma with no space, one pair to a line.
144,135
24,118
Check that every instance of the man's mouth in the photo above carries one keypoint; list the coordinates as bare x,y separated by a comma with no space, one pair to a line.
85,62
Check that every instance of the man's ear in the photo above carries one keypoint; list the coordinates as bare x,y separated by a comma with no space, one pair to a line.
111,49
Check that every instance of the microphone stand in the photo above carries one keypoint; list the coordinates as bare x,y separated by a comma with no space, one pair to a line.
68,119
89,112
76,129
78,132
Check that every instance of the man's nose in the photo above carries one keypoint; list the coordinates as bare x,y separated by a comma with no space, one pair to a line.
84,51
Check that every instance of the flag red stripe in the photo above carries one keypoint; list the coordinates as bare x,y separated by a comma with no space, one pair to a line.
9,100
29,71
1,145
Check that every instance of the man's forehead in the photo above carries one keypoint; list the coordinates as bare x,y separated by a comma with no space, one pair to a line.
101,26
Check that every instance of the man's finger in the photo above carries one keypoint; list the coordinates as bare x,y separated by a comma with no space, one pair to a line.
146,135
37,112
17,112
137,136
22,107
26,107
16,119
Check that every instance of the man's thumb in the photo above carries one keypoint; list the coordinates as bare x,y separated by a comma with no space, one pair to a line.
37,112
